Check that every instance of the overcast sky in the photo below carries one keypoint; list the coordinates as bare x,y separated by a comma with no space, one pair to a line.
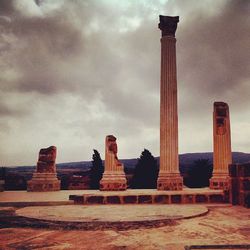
72,72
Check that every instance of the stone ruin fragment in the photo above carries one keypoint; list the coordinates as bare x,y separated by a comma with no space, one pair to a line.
45,177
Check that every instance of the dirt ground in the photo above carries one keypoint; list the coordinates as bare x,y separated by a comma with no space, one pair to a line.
222,225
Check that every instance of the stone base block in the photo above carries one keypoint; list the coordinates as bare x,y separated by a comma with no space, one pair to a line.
151,196
114,182
174,182
2,182
113,185
43,183
43,186
219,182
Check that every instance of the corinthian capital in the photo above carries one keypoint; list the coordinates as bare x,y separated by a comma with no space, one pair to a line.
168,25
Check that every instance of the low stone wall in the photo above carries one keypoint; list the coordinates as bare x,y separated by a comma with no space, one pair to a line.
150,199
239,183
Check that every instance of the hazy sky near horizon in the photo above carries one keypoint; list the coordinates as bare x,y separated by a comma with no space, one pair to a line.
72,72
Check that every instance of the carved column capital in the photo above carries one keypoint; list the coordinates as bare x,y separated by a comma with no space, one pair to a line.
168,25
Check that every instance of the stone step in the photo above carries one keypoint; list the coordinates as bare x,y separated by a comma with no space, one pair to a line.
178,198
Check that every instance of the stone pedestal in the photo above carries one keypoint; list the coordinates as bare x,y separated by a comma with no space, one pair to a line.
219,181
43,182
113,178
169,177
168,181
45,178
222,146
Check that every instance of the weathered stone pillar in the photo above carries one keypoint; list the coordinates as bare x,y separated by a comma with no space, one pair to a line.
45,179
113,177
169,175
222,146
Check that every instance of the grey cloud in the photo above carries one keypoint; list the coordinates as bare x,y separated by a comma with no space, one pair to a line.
8,111
213,62
213,50
6,7
45,45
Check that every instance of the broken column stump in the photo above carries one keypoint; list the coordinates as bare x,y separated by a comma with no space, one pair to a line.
45,177
114,178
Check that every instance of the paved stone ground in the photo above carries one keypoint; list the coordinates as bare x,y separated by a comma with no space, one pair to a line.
112,213
223,225
24,196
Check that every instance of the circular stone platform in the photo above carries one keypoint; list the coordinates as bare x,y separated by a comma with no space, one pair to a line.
109,216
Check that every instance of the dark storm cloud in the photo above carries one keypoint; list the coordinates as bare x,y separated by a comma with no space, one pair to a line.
37,48
6,7
214,53
38,2
55,54
47,58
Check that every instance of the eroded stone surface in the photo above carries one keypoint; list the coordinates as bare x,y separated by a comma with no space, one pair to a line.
45,179
46,161
112,213
221,226
222,146
113,177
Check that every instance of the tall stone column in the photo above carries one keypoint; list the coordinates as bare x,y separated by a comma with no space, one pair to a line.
113,177
222,146
169,175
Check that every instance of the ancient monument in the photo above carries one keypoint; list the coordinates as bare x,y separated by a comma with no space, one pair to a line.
45,179
113,177
169,175
222,146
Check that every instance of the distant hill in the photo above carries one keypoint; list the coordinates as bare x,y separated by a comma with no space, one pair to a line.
185,161
16,177
189,158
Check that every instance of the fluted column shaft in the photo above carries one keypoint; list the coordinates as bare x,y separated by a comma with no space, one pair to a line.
169,177
168,110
